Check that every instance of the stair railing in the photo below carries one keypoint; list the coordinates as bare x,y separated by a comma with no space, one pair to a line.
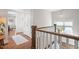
43,39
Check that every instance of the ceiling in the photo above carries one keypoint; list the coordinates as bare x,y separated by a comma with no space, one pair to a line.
24,10
52,10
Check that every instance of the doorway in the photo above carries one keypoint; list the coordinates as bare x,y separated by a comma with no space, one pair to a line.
11,23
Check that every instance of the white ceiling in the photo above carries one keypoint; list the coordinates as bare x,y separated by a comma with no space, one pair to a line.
24,10
52,10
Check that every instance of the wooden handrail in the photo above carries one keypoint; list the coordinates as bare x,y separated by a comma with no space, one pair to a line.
50,26
45,27
60,34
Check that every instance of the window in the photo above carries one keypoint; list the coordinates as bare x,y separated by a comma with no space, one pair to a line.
65,26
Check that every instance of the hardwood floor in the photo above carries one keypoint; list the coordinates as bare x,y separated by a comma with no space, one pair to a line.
12,45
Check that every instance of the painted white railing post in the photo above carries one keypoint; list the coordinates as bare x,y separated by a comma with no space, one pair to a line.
50,41
43,40
67,41
76,44
40,41
60,42
37,41
47,41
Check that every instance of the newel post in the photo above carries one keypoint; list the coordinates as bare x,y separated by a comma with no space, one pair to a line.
34,36
55,27
55,38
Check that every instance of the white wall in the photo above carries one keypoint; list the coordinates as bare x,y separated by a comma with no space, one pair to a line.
3,12
67,15
41,17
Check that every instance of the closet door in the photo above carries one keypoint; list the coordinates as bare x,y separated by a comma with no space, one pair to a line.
27,24
19,22
23,23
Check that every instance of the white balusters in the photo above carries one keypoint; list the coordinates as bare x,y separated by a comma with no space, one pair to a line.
67,41
60,42
42,40
76,44
37,40
47,41
50,41
55,41
43,37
